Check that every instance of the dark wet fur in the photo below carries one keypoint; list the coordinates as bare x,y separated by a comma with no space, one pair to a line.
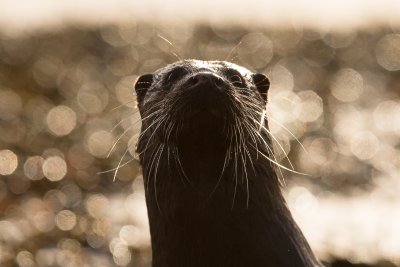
212,192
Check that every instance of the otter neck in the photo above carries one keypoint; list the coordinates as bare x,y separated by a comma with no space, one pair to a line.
202,162
200,218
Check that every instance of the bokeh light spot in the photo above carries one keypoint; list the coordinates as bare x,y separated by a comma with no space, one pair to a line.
388,52
95,241
55,200
321,151
100,143
347,85
8,162
65,220
33,168
364,145
281,79
97,205
92,98
130,234
120,251
54,168
304,202
25,259
124,91
310,108
387,116
101,227
348,120
61,120
255,50
10,104
89,102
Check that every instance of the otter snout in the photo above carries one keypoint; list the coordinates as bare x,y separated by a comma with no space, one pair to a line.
205,81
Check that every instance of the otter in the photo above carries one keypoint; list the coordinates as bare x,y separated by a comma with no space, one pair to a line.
212,192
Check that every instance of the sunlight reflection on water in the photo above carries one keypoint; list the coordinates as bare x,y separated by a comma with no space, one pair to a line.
66,98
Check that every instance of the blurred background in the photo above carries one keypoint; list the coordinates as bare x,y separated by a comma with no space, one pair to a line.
68,120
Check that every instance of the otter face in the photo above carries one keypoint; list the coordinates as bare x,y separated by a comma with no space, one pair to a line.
194,99
213,75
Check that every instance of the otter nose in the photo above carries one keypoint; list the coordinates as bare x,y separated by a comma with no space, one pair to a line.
206,80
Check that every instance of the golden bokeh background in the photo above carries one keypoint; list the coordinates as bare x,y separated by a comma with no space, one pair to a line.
68,121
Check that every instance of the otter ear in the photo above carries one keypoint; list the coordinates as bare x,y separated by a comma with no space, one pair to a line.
142,84
262,83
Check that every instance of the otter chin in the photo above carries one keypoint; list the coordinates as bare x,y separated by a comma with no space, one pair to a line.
212,192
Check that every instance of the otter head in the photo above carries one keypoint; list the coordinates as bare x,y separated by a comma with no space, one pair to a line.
200,103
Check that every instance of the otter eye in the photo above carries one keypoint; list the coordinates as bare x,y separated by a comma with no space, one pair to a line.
262,84
235,78
142,84
176,74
